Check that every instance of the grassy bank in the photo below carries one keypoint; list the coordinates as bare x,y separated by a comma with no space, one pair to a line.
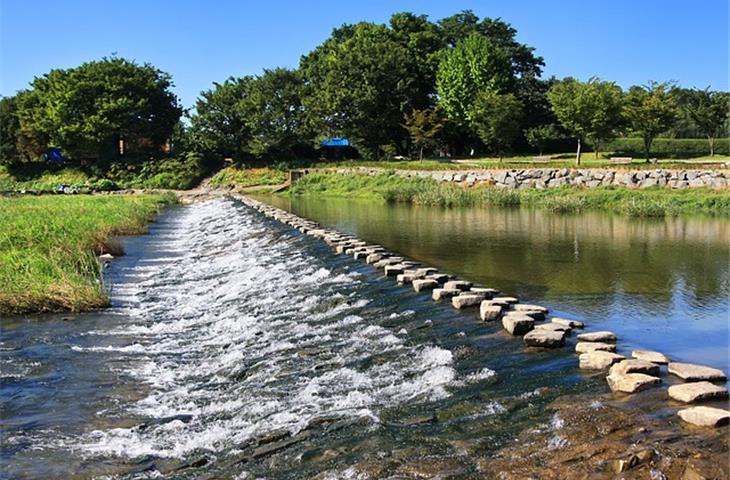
234,176
48,247
655,202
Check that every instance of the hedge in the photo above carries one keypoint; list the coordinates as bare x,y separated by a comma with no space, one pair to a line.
669,147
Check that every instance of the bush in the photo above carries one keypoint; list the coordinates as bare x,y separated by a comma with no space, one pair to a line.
668,147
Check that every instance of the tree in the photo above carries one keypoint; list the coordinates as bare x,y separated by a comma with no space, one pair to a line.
9,130
649,111
86,110
475,65
709,112
358,84
272,111
539,137
496,119
423,126
219,129
588,110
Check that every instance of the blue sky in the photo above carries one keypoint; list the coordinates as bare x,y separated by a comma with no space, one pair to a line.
200,42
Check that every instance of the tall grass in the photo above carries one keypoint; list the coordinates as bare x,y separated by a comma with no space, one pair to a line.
248,177
48,247
654,202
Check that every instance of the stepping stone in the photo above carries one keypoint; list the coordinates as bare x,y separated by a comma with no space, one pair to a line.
544,338
568,323
388,261
425,271
599,360
460,284
521,307
508,300
517,324
375,257
690,372
605,337
487,292
537,315
489,312
586,347
649,356
697,392
439,277
439,293
635,366
631,382
406,277
705,416
424,284
394,270
466,300
553,327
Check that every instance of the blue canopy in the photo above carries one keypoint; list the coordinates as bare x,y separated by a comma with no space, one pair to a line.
335,142
54,155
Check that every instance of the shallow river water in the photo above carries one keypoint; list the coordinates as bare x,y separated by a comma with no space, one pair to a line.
236,347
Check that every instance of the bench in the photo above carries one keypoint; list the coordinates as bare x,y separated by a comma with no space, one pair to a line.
621,160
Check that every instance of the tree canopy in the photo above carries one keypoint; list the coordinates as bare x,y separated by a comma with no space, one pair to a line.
649,111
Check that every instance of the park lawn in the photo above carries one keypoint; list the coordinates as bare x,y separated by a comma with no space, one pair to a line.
49,244
652,202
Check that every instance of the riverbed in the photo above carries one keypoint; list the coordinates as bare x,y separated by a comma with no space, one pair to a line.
236,347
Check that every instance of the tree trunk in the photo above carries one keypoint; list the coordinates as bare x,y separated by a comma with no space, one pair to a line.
712,145
596,149
577,154
647,148
420,154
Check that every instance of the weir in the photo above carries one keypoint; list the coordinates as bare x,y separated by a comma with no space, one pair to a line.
596,350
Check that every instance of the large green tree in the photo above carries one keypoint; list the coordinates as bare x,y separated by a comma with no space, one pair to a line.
497,118
86,110
589,110
423,126
9,130
650,111
708,110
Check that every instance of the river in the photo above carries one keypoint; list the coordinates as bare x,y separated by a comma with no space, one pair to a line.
236,347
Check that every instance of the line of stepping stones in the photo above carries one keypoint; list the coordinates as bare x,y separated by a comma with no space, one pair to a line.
597,350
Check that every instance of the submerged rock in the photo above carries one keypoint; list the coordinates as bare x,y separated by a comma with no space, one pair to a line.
690,372
697,391
630,382
705,416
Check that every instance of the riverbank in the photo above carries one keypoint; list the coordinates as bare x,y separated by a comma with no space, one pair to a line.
49,247
651,202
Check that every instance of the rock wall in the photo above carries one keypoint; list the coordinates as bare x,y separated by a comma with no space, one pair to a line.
558,177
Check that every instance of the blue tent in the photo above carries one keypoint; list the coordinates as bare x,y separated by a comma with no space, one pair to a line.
335,142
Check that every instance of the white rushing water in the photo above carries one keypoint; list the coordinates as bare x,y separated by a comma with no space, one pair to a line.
241,331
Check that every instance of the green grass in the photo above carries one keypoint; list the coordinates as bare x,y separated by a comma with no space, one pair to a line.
234,176
652,202
48,247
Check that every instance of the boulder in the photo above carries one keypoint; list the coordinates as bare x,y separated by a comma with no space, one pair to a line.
705,416
635,366
439,293
466,299
690,372
631,382
697,391
568,323
489,312
544,338
649,356
586,347
599,360
517,324
457,284
424,284
605,337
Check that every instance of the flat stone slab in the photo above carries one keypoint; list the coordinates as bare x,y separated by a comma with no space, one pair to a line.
394,270
423,271
487,292
631,382
690,372
553,327
439,293
439,277
697,392
635,366
508,300
599,360
458,284
521,307
406,277
424,284
518,324
705,416
604,336
544,338
489,312
535,314
649,356
586,347
466,300
568,323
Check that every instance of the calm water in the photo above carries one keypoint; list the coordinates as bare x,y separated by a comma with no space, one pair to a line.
238,348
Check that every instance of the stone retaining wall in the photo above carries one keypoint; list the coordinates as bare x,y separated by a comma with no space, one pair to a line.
558,177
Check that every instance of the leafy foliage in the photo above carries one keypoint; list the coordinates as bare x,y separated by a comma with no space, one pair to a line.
423,126
539,137
496,118
709,112
650,111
